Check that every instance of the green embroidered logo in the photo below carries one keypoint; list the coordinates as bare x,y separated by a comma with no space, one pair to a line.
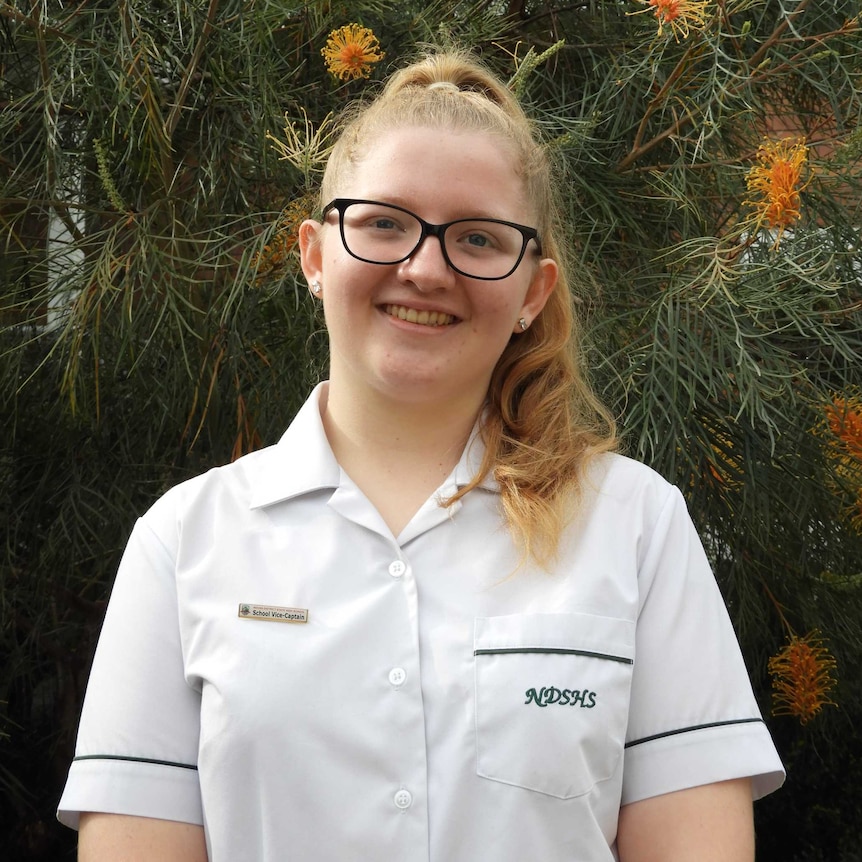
245,610
548,695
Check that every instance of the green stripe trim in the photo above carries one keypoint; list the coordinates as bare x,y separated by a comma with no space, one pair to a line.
693,728
136,760
554,651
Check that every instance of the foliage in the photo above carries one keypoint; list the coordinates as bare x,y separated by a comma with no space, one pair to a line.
154,322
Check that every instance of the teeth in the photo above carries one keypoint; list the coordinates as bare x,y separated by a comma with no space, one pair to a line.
424,318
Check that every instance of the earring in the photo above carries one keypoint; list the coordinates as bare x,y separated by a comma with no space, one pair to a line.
315,288
523,324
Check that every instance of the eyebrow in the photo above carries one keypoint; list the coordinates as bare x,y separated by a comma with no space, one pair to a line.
398,202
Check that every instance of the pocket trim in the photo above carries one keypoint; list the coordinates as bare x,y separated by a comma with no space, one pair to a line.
557,650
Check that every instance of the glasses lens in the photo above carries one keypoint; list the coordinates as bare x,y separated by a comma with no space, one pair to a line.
378,233
476,247
482,248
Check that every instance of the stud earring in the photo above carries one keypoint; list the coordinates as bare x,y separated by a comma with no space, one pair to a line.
523,324
315,288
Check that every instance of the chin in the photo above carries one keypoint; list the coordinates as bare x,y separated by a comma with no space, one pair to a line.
431,388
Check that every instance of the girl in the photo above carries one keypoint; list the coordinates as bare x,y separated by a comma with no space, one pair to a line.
440,620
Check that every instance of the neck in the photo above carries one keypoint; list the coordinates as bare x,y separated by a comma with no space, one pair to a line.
378,426
397,453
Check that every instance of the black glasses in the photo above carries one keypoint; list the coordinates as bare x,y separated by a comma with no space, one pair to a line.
485,248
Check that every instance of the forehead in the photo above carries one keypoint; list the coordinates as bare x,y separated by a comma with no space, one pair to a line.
435,169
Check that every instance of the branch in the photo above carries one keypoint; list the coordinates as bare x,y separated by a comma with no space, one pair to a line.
640,149
182,92
636,153
776,34
174,116
13,14
62,211
660,96
50,107
547,13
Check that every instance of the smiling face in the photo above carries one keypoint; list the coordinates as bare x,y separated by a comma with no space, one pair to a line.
417,331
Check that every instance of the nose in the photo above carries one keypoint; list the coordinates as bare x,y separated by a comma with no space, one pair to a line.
427,267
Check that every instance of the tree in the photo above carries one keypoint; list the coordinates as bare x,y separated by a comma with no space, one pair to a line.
154,321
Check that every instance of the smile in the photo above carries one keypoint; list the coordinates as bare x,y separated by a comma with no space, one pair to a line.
423,318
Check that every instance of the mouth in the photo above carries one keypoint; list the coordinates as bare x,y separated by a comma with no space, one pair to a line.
423,318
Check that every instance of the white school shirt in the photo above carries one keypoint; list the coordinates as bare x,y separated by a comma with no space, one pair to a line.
438,705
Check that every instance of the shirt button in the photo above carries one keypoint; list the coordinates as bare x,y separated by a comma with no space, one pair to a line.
403,799
397,568
397,676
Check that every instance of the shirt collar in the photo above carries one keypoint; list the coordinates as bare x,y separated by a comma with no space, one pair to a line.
302,460
471,462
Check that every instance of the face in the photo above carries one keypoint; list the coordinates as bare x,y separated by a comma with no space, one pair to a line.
417,330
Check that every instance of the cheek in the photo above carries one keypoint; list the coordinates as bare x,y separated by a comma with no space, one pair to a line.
499,303
331,250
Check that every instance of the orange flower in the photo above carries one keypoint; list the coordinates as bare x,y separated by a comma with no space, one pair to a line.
777,181
842,429
275,258
802,677
844,420
856,512
682,16
723,464
351,51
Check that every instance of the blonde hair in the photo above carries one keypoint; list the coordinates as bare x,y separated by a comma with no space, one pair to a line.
543,422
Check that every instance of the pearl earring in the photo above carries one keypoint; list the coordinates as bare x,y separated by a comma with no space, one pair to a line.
523,324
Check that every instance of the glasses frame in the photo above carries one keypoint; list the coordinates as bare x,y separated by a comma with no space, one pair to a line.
429,229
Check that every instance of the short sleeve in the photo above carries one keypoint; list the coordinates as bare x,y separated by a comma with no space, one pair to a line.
138,738
693,718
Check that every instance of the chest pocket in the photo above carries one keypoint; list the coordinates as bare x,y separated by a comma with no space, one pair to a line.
552,699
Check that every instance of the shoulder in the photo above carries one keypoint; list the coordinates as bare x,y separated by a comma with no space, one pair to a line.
300,462
221,495
236,480
615,480
630,506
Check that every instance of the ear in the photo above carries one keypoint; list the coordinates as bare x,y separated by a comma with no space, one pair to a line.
542,285
310,250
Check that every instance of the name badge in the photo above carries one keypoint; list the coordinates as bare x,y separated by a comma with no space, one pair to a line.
272,613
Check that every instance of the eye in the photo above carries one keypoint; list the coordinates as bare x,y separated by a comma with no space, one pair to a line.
478,237
376,219
384,223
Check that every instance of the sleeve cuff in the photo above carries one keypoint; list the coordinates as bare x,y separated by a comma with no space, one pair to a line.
143,789
665,764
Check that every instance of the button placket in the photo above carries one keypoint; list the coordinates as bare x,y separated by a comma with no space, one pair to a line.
404,706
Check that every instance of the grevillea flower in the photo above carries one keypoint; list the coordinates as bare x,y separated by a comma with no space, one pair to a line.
777,182
305,146
802,677
276,257
723,464
841,430
351,51
844,420
682,16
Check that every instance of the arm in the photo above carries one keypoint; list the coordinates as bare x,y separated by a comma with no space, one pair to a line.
712,823
140,725
121,838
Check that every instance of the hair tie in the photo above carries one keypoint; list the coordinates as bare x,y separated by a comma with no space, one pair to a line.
444,85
